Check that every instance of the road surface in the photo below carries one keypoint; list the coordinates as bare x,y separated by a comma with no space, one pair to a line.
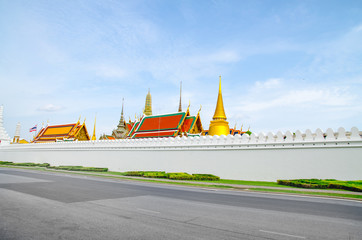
46,205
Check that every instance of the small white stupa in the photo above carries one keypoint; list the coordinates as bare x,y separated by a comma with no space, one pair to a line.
17,133
4,137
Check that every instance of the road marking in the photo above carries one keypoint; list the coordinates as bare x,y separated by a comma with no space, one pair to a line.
283,234
149,211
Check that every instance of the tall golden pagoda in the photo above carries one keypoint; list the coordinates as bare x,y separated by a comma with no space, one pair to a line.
148,104
180,106
219,125
94,129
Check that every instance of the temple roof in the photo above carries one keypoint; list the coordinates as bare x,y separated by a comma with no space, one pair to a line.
165,125
188,123
60,132
161,122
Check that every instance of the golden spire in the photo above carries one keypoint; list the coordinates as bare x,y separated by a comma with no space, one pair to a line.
94,129
148,105
219,125
180,106
219,111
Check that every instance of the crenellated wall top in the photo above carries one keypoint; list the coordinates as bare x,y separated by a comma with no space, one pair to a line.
297,139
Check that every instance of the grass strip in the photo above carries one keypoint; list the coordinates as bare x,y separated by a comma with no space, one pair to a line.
153,180
307,193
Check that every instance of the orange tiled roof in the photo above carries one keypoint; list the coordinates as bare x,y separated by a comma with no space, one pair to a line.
65,131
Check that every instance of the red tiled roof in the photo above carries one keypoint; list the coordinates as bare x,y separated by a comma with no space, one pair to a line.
161,122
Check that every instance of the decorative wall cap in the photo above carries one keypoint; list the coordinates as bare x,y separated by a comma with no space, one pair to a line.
329,138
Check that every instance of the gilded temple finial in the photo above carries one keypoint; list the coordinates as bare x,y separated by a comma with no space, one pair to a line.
219,125
94,129
219,110
180,105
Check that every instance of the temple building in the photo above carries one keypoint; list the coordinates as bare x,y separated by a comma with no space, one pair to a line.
122,129
4,137
180,123
106,137
166,125
66,132
219,125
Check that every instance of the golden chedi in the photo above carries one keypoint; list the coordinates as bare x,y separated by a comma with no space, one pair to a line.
148,105
219,125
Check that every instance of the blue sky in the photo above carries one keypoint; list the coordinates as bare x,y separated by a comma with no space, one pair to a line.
285,65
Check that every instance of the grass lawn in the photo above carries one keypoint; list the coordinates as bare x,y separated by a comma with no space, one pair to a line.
308,193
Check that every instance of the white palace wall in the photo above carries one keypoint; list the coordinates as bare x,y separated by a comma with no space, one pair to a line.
257,157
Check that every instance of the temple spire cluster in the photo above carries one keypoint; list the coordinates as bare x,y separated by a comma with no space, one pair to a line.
146,125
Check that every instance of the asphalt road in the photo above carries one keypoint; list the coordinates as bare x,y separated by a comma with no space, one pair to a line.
43,205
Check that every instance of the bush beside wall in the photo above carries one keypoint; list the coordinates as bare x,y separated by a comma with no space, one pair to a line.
26,164
80,168
173,176
355,186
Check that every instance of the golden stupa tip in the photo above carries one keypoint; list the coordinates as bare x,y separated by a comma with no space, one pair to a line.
219,111
94,129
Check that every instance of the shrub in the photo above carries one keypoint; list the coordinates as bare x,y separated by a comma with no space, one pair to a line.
323,184
80,168
26,164
134,173
93,169
155,174
205,177
180,176
6,163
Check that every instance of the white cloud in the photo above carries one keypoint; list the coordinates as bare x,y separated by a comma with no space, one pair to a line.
50,108
296,98
270,83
